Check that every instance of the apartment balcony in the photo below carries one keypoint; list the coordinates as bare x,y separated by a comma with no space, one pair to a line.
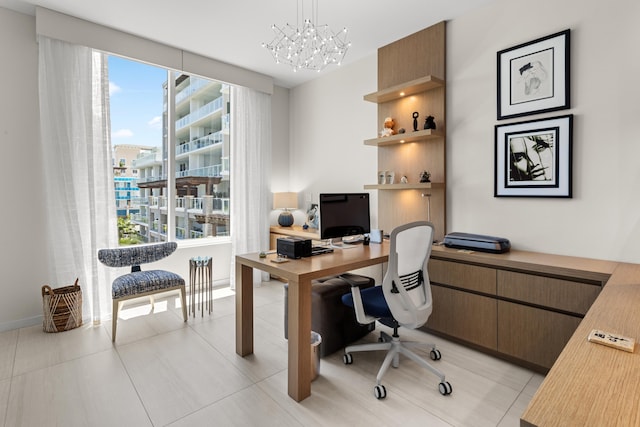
206,110
200,143
147,160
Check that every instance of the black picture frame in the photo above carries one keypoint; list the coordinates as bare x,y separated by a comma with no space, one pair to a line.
534,158
533,77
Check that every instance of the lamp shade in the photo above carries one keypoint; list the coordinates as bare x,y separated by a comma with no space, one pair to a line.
285,200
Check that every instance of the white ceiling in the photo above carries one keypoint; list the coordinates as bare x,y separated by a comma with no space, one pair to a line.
232,31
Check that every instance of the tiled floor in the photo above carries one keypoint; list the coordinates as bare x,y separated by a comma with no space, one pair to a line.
165,372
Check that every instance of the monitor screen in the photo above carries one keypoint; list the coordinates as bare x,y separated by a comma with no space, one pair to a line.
344,214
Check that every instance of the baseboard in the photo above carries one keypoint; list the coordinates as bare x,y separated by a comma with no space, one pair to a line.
21,323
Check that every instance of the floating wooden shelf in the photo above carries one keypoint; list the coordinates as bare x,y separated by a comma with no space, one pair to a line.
414,186
406,89
402,138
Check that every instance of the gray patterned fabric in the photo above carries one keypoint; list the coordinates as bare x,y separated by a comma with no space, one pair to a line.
139,282
136,255
144,281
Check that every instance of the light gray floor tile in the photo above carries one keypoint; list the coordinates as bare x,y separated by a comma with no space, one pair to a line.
178,373
5,386
37,349
90,391
248,407
8,343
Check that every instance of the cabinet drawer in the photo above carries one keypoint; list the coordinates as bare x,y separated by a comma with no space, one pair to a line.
470,317
560,294
531,334
480,279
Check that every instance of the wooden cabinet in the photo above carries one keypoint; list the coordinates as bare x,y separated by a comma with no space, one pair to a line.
405,87
508,306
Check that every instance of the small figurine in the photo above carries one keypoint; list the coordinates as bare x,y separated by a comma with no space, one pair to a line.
404,179
424,176
401,130
429,123
415,121
388,127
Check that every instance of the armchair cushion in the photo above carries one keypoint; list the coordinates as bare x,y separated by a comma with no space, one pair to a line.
144,281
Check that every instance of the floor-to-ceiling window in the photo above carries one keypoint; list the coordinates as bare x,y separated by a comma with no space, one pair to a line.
171,142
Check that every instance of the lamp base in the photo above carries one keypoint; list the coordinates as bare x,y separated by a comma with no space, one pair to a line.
285,219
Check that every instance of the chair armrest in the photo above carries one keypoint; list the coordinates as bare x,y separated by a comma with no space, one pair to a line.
361,317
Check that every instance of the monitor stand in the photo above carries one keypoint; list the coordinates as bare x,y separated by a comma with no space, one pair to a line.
337,243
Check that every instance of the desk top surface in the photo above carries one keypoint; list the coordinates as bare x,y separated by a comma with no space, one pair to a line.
336,262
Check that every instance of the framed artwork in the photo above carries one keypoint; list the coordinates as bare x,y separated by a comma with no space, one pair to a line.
534,77
533,158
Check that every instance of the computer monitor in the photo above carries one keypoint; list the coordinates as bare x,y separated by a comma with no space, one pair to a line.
344,214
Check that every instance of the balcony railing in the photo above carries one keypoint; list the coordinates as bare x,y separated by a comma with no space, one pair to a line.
215,170
201,112
205,141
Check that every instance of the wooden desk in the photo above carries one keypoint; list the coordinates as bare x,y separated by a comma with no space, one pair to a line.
299,274
590,384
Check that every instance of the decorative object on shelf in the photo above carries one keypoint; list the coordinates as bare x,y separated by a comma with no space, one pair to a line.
401,130
429,123
381,177
424,176
312,217
415,116
285,201
533,77
388,127
311,46
533,158
391,176
404,179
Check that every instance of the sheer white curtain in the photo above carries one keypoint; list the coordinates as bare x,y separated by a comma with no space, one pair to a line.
75,139
250,175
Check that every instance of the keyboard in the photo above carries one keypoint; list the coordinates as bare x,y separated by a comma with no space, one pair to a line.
319,250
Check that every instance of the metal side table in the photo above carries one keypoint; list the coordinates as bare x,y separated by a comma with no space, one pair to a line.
200,285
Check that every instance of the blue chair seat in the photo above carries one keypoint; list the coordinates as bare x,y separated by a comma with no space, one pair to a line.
144,281
373,302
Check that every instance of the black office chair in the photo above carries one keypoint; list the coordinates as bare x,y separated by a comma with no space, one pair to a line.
404,299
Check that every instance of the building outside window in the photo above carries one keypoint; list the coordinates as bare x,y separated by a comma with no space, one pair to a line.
201,146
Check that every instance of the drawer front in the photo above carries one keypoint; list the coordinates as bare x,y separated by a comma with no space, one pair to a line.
480,279
567,295
535,335
466,316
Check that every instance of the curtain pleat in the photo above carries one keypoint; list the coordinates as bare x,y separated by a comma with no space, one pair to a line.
250,175
76,146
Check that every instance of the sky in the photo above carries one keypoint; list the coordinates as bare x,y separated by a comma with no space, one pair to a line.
135,91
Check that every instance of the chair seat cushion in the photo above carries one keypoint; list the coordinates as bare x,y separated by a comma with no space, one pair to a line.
144,281
373,302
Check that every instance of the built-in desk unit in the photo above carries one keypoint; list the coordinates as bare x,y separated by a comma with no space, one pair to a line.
522,306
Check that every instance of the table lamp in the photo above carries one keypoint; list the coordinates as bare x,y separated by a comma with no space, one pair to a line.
285,201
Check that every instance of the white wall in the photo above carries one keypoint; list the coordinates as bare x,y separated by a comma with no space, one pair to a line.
23,262
602,220
329,122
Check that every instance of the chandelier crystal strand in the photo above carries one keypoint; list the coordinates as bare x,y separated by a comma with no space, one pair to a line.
311,47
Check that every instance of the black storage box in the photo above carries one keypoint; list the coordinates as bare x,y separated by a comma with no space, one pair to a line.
293,247
477,242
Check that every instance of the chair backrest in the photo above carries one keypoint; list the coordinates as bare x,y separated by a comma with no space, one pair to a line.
136,255
406,284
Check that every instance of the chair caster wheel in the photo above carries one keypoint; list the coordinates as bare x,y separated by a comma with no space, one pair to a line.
435,354
380,392
347,358
445,388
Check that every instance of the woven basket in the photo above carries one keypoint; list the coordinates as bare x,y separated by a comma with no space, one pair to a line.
62,308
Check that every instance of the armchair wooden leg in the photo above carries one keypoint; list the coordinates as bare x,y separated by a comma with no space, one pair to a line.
183,296
114,320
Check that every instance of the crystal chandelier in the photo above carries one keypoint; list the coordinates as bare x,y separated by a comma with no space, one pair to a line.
310,47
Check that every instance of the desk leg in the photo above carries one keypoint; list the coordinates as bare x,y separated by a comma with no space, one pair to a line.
299,339
244,309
